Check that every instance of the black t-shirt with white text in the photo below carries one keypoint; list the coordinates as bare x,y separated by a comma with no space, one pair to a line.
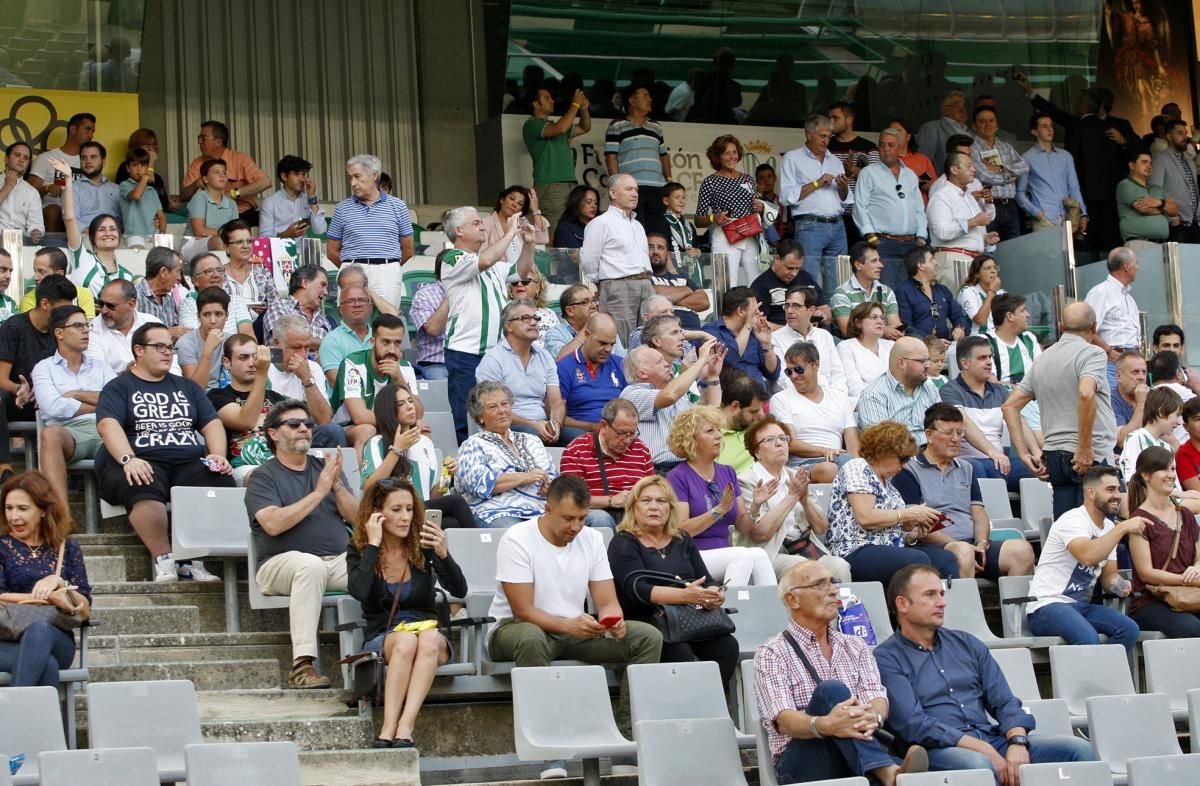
771,292
162,420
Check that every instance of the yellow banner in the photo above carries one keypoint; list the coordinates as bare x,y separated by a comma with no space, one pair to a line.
40,119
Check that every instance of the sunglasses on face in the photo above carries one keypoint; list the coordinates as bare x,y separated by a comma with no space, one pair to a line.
308,423
103,304
520,281
794,371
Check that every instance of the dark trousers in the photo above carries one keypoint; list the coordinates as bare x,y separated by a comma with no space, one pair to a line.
456,513
650,208
852,233
880,563
891,253
1008,219
803,761
11,413
460,378
1067,484
1157,615
37,658
723,650
1103,231
1189,233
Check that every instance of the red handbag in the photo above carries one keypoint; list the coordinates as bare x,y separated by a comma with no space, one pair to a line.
742,228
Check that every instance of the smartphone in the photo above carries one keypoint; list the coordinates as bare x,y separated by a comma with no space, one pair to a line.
610,621
277,355
303,221
433,517
903,328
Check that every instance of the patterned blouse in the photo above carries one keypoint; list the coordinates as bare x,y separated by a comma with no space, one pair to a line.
482,459
845,534
21,567
720,194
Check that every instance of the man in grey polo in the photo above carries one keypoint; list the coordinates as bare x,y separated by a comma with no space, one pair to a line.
1070,382
528,371
616,256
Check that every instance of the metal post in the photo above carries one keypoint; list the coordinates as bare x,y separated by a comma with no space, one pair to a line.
1071,291
1058,301
1144,326
310,252
232,618
1173,278
962,267
720,280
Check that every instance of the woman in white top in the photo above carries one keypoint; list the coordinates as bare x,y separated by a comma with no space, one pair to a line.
790,521
1160,416
865,352
534,288
535,228
978,291
91,269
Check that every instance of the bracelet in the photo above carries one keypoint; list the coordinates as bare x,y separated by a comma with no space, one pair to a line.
575,105
313,201
308,384
816,183
813,728
150,169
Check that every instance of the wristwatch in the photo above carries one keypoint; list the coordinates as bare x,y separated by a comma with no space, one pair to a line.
397,451
312,200
715,515
128,457
1019,739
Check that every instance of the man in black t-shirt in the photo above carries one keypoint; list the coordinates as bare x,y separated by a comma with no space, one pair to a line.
786,271
854,152
688,299
25,341
159,431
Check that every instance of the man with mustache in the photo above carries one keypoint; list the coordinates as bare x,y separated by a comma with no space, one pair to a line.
363,374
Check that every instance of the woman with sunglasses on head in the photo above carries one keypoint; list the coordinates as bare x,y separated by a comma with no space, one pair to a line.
535,229
927,307
95,267
394,559
534,288
400,450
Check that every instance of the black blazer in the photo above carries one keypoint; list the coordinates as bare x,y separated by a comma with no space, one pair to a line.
369,588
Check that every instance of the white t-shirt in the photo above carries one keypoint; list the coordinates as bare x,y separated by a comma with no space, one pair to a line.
1135,443
289,385
1058,577
817,424
42,168
560,576
831,374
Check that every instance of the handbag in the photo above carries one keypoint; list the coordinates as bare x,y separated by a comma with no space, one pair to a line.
742,228
16,617
1179,598
681,623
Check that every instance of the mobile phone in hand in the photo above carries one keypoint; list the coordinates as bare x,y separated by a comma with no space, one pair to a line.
277,355
610,621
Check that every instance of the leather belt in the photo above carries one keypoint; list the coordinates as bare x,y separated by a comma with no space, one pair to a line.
951,249
822,219
633,277
903,238
1003,200
369,261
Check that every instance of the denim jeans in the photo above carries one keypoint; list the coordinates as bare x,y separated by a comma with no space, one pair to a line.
1081,623
501,522
823,241
460,376
1043,749
892,252
329,435
986,468
1067,484
880,563
432,371
38,657
803,761
599,518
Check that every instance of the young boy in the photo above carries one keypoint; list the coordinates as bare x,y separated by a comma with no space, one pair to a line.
141,209
200,351
209,208
683,232
937,359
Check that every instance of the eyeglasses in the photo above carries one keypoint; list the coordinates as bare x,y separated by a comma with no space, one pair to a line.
922,361
212,271
396,483
246,242
165,349
787,306
357,301
76,326
595,301
103,304
204,138
953,432
527,319
794,371
522,281
774,439
623,434
900,191
308,423
822,584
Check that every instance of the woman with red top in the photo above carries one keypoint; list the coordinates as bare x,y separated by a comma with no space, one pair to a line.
919,163
1187,458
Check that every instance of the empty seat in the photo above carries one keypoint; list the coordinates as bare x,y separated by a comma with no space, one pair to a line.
760,615
434,394
1075,773
212,522
441,426
669,691
1193,703
752,723
995,500
964,611
110,767
872,595
1162,770
1082,671
475,552
222,764
5,771
1171,669
951,778
162,715
1014,598
564,713
1125,727
1037,507
821,492
1017,665
685,752
555,457
1051,715
30,723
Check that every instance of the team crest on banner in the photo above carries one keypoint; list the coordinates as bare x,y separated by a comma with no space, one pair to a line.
279,256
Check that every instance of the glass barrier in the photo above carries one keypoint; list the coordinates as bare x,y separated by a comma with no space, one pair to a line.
1032,265
1187,263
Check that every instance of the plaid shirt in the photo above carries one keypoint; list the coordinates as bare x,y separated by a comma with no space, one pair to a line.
319,326
781,682
165,310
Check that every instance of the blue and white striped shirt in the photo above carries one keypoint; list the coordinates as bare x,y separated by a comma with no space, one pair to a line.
370,231
638,150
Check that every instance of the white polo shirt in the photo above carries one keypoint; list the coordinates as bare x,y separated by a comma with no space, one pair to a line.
1117,321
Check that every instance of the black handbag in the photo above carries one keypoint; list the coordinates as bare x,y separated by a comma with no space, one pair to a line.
681,623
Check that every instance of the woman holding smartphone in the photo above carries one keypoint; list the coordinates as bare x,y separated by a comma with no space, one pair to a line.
394,559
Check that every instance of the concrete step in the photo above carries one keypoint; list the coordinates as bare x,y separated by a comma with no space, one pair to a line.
137,563
207,597
104,568
122,538
206,675
369,767
112,621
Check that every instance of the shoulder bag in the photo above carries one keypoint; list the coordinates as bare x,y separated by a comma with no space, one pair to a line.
741,228
16,617
1178,597
680,623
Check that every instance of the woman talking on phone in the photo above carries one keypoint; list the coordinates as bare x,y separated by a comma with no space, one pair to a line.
393,561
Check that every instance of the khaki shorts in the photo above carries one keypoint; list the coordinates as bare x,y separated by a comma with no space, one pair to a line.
87,439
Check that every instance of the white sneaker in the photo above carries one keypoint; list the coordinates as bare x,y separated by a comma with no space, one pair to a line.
165,570
554,772
195,571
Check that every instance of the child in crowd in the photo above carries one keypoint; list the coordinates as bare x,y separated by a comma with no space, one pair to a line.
141,209
937,359
683,232
385,183
210,208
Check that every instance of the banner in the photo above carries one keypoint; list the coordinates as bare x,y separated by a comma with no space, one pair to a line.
40,119
1145,58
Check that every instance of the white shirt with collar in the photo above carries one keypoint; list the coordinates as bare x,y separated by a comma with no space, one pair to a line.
831,375
614,246
1117,322
949,211
22,209
801,167
113,348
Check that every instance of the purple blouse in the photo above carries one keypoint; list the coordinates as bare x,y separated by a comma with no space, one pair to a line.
21,568
702,496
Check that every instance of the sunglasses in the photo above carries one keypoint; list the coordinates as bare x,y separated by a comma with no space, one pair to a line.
794,371
308,423
103,304
899,191
522,281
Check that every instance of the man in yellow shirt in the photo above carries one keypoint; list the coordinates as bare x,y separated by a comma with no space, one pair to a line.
53,261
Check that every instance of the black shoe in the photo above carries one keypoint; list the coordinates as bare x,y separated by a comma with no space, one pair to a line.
403,742
380,742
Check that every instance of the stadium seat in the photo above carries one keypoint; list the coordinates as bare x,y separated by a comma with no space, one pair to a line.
441,424
109,767
475,552
478,605
821,494
555,457
212,522
1051,715
1017,665
30,723
760,615
997,504
162,715
670,691
349,467
434,395
260,601
1193,701
563,712
871,593
1037,508
1163,770
85,468
964,611
684,752
5,771
1171,669
1129,726
949,778
1083,671
222,764
1075,773
72,681
1014,598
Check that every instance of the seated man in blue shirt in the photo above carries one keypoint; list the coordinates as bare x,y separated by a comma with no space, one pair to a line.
745,332
919,665
590,377
1129,393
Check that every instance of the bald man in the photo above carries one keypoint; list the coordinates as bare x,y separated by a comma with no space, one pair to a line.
590,377
1070,382
616,257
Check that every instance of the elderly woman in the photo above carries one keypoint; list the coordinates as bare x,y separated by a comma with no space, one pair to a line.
725,196
789,525
512,201
869,525
865,351
649,538
979,290
243,278
710,500
33,539
534,288
582,205
503,474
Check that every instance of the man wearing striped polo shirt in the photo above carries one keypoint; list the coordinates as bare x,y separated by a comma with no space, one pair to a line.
474,281
372,229
610,460
634,145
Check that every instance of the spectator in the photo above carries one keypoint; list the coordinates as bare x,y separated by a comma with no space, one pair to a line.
474,279
1081,547
1166,372
683,96
812,184
999,167
1174,171
927,307
1166,337
937,360
401,452
615,255
20,204
393,538
957,730
1129,393
820,420
159,431
864,286
589,377
979,292
660,394
912,158
307,289
1049,191
855,152
146,139
767,183
528,372
244,179
39,563
746,335
865,352
588,456
243,278
709,504
540,595
294,374
1014,347
686,298
939,479
1118,326
299,506
200,350
1187,458
209,209
933,136
789,525
26,340
1164,552
110,340
961,144
886,217
53,261
66,386
533,287
800,309
97,267
363,374
958,223
8,306
156,290
430,313
352,334
728,197
821,723
742,402
141,211
577,305
682,231
1162,417
634,145
581,207
523,202
772,285
869,525
549,145
1145,211
50,181
651,539
293,209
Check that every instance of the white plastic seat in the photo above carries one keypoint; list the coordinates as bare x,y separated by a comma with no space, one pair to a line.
30,723
475,552
260,601
760,615
555,456
109,767
1037,507
212,522
1051,715
478,605
821,494
1193,703
222,764
1125,727
1171,669
349,467
434,394
995,500
5,772
1074,773
949,778
162,715
685,752
441,426
1084,671
669,691
1017,665
964,611
1161,770
871,593
563,712
1014,592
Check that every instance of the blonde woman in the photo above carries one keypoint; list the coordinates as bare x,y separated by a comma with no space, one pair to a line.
534,288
